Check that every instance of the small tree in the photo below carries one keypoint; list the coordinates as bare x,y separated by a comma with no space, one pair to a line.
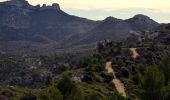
152,83
54,94
28,96
65,85
75,94
166,92
69,89
94,96
117,96
165,67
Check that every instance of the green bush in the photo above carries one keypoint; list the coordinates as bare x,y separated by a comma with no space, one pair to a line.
69,90
95,96
54,94
28,96
166,92
152,84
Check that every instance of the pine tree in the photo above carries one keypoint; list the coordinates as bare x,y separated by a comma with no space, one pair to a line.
166,92
75,94
165,67
69,89
54,94
152,84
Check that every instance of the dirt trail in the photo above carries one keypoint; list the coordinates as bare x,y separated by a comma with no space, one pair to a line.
118,84
110,69
134,53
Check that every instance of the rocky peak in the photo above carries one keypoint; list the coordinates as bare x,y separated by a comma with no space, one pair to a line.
44,5
54,6
142,22
140,16
111,19
18,3
142,19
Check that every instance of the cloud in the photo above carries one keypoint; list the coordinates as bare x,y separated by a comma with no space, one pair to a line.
161,10
99,9
108,5
112,4
156,6
99,17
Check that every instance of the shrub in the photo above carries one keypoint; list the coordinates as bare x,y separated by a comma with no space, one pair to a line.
28,96
152,84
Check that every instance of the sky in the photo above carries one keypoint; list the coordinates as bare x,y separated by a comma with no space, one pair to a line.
159,10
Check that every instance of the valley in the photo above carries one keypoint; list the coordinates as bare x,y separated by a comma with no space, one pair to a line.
48,54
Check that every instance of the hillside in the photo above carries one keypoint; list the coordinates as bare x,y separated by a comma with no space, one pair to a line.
47,54
111,72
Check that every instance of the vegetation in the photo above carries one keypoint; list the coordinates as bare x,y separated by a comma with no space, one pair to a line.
85,78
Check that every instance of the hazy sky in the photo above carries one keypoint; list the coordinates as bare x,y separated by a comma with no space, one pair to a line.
158,10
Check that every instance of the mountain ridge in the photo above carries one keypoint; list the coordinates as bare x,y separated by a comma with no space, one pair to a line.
49,28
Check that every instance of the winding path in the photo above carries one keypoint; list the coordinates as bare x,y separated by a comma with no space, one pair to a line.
134,53
118,84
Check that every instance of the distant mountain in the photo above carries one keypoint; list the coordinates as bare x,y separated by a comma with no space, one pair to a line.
33,29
